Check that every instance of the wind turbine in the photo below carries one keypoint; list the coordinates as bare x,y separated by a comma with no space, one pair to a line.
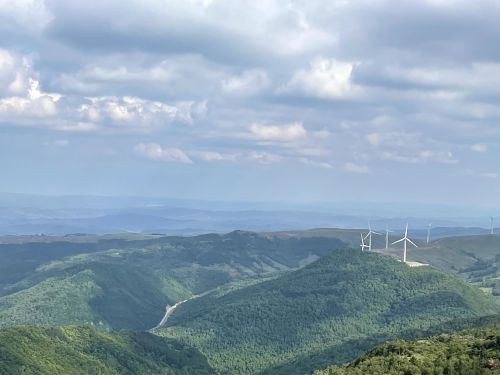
369,236
429,232
405,239
363,245
387,231
492,219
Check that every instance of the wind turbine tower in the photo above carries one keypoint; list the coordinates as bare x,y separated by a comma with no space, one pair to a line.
429,227
492,220
387,231
369,236
405,240
363,245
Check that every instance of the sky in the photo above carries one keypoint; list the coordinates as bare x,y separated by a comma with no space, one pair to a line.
290,101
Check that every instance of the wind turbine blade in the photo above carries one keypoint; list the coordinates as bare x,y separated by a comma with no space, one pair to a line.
367,235
410,241
376,233
406,230
401,240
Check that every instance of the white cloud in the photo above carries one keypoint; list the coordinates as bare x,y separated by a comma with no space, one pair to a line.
322,134
15,72
326,79
263,157
250,82
315,163
163,71
355,168
479,147
288,132
312,151
471,77
214,156
61,142
156,152
31,15
373,139
133,110
493,175
445,157
22,101
33,105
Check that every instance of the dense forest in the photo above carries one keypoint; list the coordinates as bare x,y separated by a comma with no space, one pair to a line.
85,351
470,352
328,312
126,283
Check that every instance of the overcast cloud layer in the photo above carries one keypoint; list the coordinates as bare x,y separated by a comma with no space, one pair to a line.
252,100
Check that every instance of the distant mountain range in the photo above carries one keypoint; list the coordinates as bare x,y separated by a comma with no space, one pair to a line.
27,214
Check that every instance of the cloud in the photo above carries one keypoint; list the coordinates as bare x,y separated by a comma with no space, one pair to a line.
493,175
12,73
61,142
471,78
325,79
27,16
134,111
479,147
35,104
156,152
315,163
355,168
24,102
445,157
280,133
250,82
210,156
263,157
373,139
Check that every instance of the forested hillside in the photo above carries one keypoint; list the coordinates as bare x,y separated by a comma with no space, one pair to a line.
127,282
474,258
327,312
470,352
85,351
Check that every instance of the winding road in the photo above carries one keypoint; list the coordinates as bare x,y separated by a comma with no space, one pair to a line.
168,312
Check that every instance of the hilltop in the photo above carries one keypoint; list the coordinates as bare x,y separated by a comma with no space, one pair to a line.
475,258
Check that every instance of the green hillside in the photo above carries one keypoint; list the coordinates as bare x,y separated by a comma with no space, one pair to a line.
126,283
85,351
327,312
470,352
475,258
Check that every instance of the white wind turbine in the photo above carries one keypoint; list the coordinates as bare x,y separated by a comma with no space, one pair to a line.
363,245
369,236
387,231
429,232
492,220
405,239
